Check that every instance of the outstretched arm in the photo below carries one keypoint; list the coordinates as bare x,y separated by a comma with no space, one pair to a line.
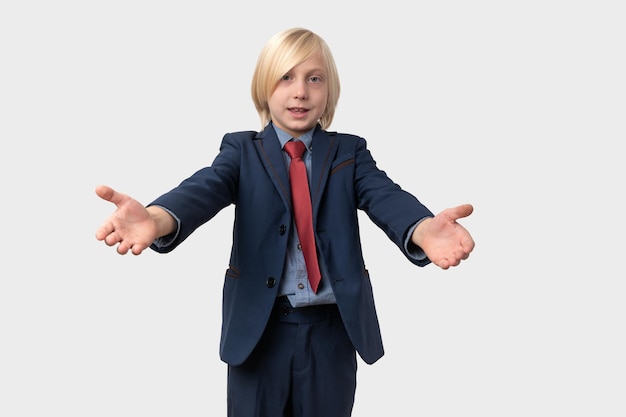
132,226
443,240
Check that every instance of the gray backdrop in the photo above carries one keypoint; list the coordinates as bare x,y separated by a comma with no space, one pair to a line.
515,107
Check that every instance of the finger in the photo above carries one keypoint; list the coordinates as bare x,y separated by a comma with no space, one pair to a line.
468,246
137,249
104,230
112,238
123,248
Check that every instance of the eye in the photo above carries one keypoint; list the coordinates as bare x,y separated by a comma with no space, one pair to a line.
315,79
285,77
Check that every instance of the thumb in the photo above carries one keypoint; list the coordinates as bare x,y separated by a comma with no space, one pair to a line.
109,194
461,211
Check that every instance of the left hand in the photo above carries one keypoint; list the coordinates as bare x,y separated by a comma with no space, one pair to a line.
443,240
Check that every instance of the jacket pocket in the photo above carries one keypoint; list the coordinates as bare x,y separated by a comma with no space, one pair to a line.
232,272
340,165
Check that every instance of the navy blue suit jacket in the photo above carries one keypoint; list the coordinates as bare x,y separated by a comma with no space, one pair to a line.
250,172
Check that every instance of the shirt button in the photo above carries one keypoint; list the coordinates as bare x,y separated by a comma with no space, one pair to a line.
301,286
299,246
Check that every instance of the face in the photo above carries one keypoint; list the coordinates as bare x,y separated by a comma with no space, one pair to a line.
300,97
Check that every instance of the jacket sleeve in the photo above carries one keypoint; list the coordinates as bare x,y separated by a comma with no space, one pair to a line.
200,197
392,209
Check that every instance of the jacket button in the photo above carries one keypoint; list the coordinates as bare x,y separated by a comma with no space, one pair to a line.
282,229
271,281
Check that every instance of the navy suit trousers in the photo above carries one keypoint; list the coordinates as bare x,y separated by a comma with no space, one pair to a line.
303,366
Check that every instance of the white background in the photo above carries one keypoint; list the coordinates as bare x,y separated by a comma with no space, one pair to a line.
517,107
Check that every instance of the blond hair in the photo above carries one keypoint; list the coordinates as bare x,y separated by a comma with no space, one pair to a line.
280,54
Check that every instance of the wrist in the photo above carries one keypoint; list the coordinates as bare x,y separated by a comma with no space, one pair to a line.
163,221
418,234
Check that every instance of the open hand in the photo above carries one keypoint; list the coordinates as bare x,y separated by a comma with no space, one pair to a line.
131,226
445,242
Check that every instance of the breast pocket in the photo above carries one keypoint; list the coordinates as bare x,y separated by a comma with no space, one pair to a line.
340,193
341,164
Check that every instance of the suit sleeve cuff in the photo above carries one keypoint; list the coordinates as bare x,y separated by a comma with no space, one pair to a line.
164,242
412,250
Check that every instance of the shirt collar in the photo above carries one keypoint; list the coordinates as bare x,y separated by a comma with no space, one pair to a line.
284,137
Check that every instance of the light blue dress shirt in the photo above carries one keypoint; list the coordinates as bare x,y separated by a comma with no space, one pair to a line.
295,282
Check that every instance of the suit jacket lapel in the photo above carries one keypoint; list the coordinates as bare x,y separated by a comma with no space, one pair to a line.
324,148
271,155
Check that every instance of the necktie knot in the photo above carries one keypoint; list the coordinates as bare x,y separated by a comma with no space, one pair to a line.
295,149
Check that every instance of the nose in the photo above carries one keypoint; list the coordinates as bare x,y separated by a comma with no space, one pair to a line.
300,90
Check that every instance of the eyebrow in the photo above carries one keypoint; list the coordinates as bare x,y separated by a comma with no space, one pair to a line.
317,69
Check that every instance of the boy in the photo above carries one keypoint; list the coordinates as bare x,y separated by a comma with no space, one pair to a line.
295,310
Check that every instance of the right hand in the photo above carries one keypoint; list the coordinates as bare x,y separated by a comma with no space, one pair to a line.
131,226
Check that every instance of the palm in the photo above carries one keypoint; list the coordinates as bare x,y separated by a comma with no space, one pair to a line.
130,226
446,242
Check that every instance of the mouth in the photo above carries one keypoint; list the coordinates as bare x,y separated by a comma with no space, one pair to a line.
298,110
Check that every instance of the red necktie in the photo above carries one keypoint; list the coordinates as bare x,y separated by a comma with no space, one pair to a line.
302,210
